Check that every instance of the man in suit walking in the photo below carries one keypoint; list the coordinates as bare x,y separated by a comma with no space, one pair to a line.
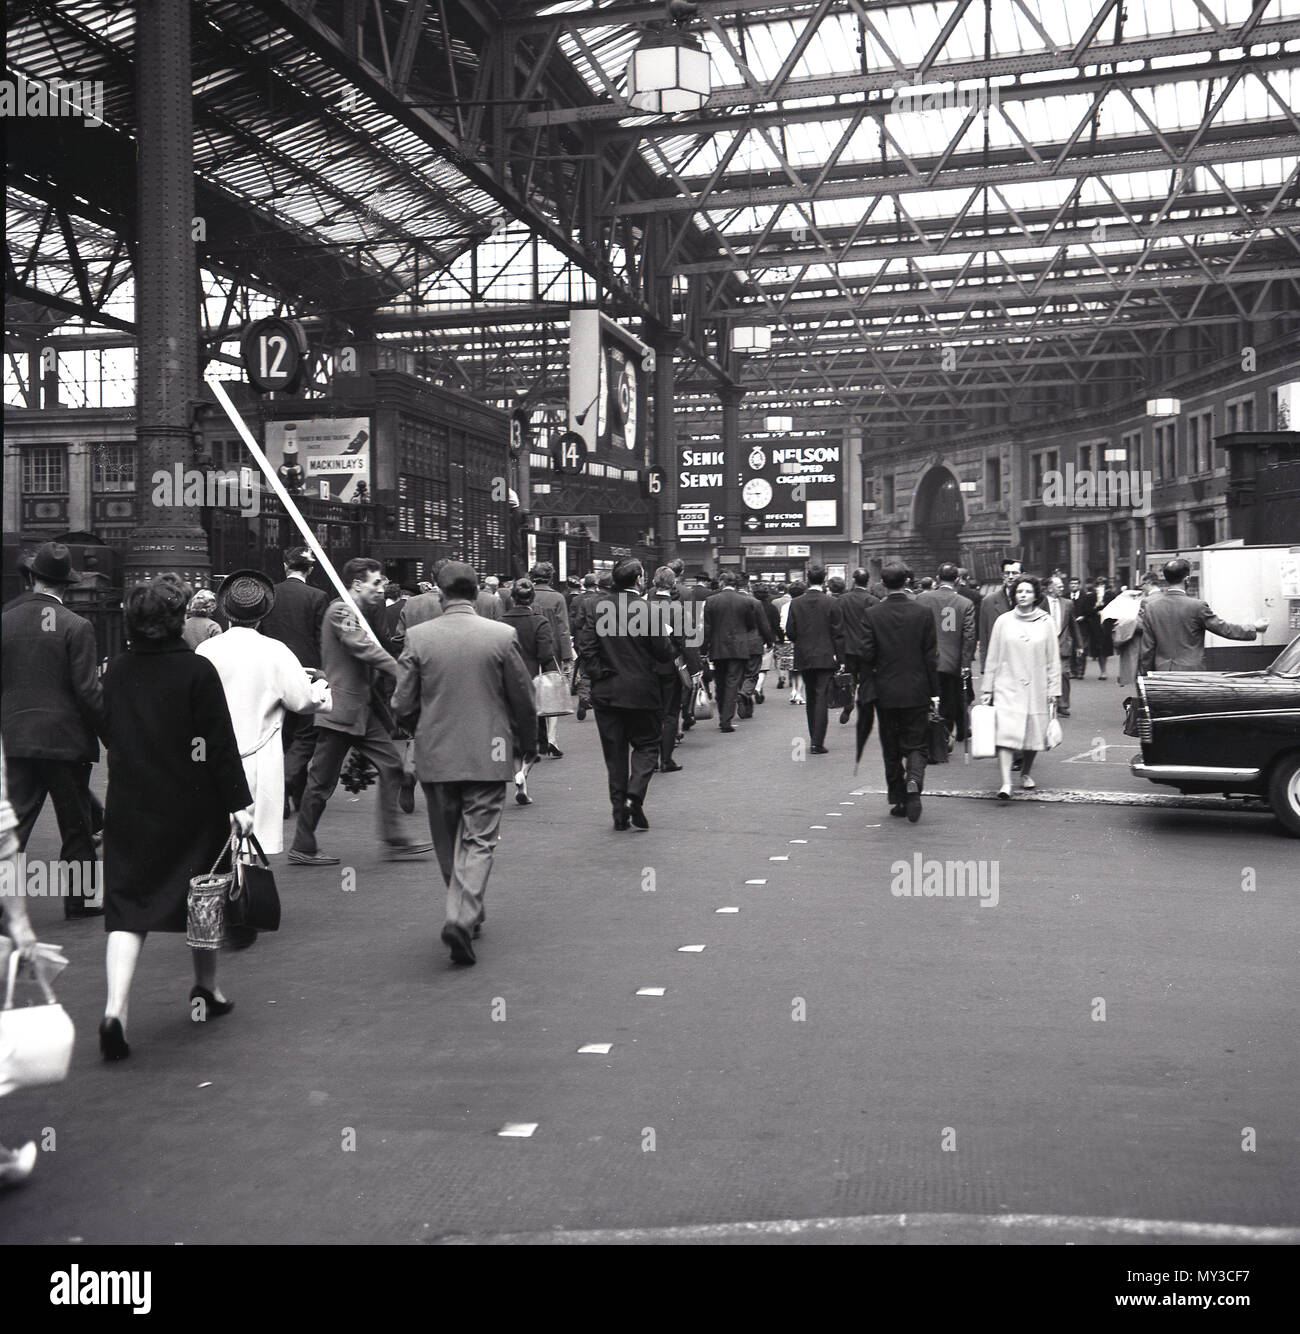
903,653
52,707
760,640
954,622
854,605
556,610
815,625
295,619
995,604
669,608
582,605
354,664
1069,637
1174,625
618,646
463,687
730,621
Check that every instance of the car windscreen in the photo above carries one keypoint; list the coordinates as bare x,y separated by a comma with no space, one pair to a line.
1287,663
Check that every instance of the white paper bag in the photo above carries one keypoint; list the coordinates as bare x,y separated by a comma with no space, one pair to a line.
983,732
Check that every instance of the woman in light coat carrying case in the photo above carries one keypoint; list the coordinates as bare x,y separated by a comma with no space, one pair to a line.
1022,678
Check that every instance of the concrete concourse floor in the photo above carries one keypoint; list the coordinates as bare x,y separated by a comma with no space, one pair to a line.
837,1064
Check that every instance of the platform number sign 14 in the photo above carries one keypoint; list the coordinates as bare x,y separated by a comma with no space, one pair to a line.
569,453
274,353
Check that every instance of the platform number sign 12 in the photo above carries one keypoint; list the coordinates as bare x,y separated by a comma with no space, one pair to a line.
274,353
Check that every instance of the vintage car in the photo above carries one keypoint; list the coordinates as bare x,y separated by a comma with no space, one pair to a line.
1237,733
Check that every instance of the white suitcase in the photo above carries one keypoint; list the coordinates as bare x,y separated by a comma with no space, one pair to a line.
982,732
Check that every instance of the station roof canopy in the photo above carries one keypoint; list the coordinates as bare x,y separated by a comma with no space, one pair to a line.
937,209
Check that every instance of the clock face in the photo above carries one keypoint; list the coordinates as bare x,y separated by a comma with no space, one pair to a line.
757,493
627,403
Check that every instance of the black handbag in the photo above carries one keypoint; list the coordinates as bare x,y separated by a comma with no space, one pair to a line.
938,743
252,900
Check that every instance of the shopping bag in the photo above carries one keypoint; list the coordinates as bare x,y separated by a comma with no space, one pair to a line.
35,1040
1055,734
551,692
841,692
983,731
938,742
205,917
253,900
702,705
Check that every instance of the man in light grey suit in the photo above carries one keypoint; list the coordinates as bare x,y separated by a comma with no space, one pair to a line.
462,687
1174,625
954,622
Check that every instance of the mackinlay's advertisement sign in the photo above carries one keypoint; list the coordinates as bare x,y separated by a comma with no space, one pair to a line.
332,452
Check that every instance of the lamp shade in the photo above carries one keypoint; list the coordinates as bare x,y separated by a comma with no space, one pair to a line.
1163,407
751,338
779,425
668,72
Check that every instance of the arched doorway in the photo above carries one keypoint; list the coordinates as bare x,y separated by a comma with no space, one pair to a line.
939,514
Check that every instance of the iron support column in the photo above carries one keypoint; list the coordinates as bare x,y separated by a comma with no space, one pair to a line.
730,397
665,445
169,537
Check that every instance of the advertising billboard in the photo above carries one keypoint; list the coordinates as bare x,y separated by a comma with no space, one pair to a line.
333,453
609,370
791,487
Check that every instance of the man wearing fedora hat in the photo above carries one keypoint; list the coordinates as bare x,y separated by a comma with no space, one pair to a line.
52,707
262,679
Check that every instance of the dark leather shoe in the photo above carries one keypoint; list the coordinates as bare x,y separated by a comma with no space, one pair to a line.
898,810
212,1007
726,727
555,752
913,803
456,938
818,750
670,767
112,1041
759,697
622,820
77,908
636,813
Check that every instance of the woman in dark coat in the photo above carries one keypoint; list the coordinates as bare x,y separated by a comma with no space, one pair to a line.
537,647
176,788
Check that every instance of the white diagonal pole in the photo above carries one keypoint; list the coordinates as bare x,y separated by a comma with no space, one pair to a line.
286,499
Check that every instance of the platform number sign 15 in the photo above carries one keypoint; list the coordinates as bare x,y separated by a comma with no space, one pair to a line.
652,482
274,354
569,453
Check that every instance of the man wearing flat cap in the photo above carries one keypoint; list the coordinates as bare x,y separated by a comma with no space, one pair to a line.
52,708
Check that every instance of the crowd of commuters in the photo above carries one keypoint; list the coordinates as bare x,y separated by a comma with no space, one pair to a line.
233,711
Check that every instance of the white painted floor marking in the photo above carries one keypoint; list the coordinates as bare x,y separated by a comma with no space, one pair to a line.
756,882
848,803
650,991
690,949
785,857
888,1226
595,1049
798,840
517,1129
819,826
726,910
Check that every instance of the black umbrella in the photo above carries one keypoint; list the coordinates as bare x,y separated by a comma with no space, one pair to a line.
866,717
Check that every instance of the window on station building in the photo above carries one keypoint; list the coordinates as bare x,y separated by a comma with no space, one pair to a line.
1041,463
1131,444
887,494
1163,462
1203,529
113,468
1200,432
45,470
993,480
1238,415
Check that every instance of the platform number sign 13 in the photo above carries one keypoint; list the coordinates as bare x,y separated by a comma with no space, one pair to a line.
274,354
569,453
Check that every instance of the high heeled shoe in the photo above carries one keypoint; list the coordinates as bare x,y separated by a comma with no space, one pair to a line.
112,1041
212,1007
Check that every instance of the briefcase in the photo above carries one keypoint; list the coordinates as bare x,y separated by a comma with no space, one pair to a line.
841,692
938,742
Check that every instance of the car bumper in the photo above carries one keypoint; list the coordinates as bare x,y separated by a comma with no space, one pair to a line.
1193,773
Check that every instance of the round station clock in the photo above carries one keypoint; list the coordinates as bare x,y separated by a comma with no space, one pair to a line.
757,493
627,403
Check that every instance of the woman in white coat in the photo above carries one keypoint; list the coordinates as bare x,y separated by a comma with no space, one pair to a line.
261,678
1022,679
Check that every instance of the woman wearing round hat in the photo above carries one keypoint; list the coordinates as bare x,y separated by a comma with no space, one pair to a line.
175,790
262,678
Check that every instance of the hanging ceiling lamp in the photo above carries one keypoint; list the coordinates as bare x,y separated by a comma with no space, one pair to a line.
670,71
